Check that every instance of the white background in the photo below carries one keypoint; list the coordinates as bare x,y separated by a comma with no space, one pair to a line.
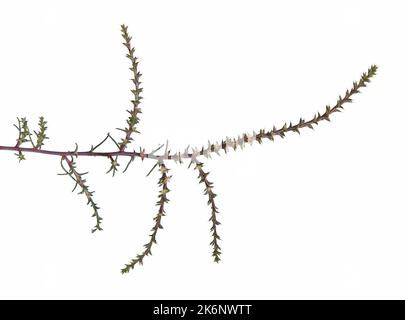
320,215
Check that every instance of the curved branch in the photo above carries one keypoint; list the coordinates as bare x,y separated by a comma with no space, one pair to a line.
80,181
226,144
281,132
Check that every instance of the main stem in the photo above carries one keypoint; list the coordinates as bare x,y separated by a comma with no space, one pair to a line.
225,144
83,153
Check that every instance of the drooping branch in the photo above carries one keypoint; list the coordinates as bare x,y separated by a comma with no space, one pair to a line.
164,179
202,175
81,182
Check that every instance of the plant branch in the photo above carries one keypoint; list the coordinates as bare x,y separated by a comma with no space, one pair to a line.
80,181
225,144
216,252
164,179
228,143
41,135
133,118
67,158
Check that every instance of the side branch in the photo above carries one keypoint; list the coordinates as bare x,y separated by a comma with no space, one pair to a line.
216,252
133,118
80,181
25,135
161,212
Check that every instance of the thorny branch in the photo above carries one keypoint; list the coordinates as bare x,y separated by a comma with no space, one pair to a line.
164,179
67,157
225,144
80,181
133,119
216,252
